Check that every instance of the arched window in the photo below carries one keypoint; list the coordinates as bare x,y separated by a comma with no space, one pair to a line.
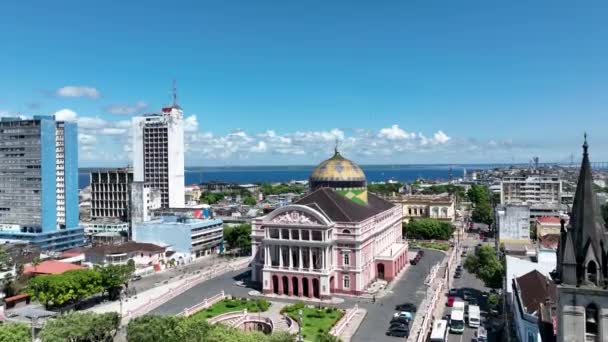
346,231
346,280
346,259
591,323
592,272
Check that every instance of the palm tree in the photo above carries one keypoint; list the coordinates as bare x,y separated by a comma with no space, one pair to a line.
35,263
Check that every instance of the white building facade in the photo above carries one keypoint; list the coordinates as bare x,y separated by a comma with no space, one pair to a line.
158,154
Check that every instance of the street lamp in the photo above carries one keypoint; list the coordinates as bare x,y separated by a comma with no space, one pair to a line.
300,338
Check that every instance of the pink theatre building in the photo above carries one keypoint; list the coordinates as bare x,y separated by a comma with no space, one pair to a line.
337,239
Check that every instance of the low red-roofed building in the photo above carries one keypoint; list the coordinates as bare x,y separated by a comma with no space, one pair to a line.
51,267
547,225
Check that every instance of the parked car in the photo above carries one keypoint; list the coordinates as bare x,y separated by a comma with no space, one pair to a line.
453,292
400,320
410,307
481,335
457,275
136,277
451,300
398,332
413,261
402,325
407,315
459,268
467,295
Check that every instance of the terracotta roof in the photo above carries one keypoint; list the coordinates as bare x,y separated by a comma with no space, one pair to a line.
71,253
127,247
548,220
550,241
341,209
534,289
51,267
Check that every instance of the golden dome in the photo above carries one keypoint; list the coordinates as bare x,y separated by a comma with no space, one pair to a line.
337,169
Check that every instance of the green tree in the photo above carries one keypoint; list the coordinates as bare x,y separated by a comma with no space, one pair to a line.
482,213
486,265
59,289
452,189
114,277
238,237
533,231
269,189
81,327
151,328
211,197
11,332
385,188
428,229
249,200
9,285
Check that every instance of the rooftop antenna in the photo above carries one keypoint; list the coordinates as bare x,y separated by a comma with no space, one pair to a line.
174,93
336,146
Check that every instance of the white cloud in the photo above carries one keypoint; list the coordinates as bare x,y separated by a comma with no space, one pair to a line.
87,122
78,91
65,115
113,131
126,109
395,133
191,124
260,147
441,138
86,139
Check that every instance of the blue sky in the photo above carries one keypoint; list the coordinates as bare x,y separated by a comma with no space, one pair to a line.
276,82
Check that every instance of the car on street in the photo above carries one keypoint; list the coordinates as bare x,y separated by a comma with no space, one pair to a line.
410,307
394,325
404,314
453,293
457,275
451,300
398,332
136,277
459,268
481,335
467,295
240,283
399,320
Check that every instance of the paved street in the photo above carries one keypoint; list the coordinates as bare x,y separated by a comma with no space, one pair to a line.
153,280
410,288
476,287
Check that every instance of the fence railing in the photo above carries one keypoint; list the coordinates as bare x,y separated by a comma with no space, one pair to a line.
174,291
343,322
422,324
205,304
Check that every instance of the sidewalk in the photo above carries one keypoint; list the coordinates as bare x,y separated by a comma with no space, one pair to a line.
147,300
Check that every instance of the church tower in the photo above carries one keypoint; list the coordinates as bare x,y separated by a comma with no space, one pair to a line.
582,266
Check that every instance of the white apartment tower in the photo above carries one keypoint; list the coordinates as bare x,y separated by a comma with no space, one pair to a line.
158,154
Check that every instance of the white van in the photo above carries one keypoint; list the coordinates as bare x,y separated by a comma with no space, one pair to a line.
457,318
440,331
474,316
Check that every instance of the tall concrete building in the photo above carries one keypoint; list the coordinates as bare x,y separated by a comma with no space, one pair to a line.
513,223
582,266
158,154
530,189
111,194
39,182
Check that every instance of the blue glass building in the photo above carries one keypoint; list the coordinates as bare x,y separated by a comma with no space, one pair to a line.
39,182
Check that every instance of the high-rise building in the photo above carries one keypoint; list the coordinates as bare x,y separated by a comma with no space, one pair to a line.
111,194
531,189
582,266
158,154
39,182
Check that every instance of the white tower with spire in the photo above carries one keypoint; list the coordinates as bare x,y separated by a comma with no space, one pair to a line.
158,153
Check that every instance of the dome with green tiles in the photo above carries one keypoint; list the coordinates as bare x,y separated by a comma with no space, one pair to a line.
342,175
